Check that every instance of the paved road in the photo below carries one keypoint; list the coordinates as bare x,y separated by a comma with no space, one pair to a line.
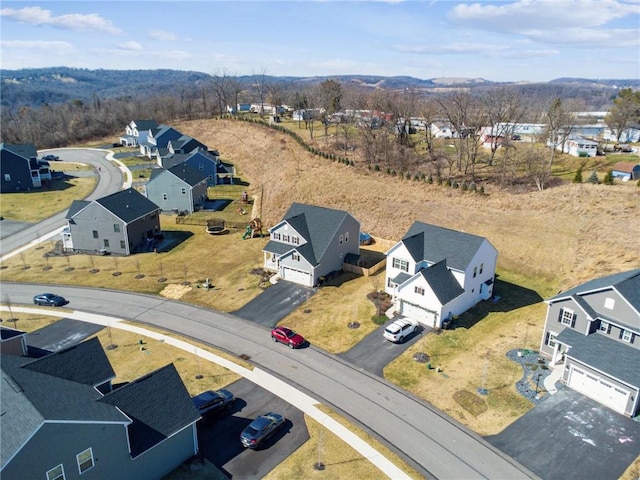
110,181
435,444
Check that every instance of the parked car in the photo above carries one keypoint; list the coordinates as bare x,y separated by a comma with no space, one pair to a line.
214,402
261,429
50,299
50,157
400,329
287,336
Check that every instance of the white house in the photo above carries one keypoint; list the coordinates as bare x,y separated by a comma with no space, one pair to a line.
434,273
442,130
136,132
577,146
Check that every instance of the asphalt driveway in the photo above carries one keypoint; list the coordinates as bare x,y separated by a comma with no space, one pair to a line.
374,352
220,439
275,303
571,436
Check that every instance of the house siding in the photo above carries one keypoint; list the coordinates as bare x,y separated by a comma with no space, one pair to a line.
19,172
168,183
59,443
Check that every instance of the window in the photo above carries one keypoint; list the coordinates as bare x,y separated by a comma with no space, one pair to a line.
106,243
401,264
551,339
116,228
276,236
418,290
566,317
165,196
210,177
7,177
609,303
626,336
56,473
183,190
122,245
346,237
95,234
481,268
85,460
295,240
285,238
475,271
296,257
201,166
604,327
341,239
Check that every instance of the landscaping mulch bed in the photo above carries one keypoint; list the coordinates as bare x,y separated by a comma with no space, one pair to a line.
534,370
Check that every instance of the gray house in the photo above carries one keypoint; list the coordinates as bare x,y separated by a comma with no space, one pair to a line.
118,223
20,169
311,242
62,419
204,161
592,332
179,188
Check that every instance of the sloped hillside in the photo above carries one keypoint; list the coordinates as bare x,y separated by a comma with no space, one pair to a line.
562,236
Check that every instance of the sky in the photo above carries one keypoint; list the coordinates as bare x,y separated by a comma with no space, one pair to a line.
521,40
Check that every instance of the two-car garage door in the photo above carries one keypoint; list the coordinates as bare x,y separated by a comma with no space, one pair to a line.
297,276
418,313
598,389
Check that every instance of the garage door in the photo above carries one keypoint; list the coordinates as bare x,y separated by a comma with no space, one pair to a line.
296,276
594,387
418,313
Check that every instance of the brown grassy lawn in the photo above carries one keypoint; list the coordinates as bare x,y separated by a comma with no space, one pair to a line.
37,205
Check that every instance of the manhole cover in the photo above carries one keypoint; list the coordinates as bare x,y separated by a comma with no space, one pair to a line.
421,357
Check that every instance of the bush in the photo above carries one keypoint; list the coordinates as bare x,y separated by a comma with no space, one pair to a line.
593,178
608,178
379,319
376,168
464,186
578,177
472,187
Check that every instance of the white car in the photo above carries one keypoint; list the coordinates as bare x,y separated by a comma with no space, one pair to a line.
400,329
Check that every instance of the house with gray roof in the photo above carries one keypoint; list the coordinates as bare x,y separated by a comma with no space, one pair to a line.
164,140
179,188
204,161
310,242
62,419
136,132
120,223
435,273
20,169
592,333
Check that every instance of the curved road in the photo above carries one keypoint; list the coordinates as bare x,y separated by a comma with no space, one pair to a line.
438,446
109,181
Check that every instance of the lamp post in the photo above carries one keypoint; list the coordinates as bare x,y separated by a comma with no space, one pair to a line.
538,382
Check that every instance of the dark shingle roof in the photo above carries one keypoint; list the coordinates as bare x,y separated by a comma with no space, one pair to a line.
626,283
76,206
434,244
128,205
158,404
187,174
25,150
142,125
7,333
442,282
604,354
84,363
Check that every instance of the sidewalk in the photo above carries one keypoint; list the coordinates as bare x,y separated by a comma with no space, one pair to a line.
300,400
552,378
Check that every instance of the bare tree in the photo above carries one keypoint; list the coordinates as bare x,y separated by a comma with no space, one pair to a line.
625,111
260,89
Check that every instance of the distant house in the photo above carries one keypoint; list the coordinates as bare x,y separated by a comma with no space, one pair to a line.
631,134
310,242
179,188
158,138
118,223
20,169
592,333
136,132
434,273
206,162
442,129
492,138
62,418
577,146
626,171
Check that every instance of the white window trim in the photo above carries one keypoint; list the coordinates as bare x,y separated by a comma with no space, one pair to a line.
58,477
567,313
606,325
93,463
627,336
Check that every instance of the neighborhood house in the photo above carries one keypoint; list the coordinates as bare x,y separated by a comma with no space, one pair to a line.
20,169
179,188
434,273
592,333
311,242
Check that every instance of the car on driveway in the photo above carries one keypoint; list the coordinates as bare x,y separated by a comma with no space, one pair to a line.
400,329
213,402
261,429
49,299
50,157
287,336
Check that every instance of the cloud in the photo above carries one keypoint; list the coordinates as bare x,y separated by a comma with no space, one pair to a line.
131,46
452,49
41,45
163,35
73,21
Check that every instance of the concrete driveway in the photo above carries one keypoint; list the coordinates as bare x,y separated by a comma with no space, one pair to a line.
220,439
374,352
571,436
275,303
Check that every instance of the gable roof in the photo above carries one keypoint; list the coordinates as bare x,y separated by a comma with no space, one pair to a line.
434,244
8,333
187,174
625,167
85,362
442,282
128,205
24,150
76,206
145,124
146,401
626,283
317,225
164,134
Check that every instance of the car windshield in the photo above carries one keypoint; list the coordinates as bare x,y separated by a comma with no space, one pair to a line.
250,431
290,334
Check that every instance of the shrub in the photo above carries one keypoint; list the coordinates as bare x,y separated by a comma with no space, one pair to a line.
593,178
578,177
481,189
608,178
464,186
472,187
376,168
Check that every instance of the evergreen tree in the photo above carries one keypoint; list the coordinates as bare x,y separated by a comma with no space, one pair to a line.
578,176
593,178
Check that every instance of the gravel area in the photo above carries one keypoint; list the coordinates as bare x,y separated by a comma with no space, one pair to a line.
534,370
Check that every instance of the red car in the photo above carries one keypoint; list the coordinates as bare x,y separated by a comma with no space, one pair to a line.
287,336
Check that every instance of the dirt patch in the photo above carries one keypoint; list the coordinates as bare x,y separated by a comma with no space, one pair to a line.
471,402
381,300
175,292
